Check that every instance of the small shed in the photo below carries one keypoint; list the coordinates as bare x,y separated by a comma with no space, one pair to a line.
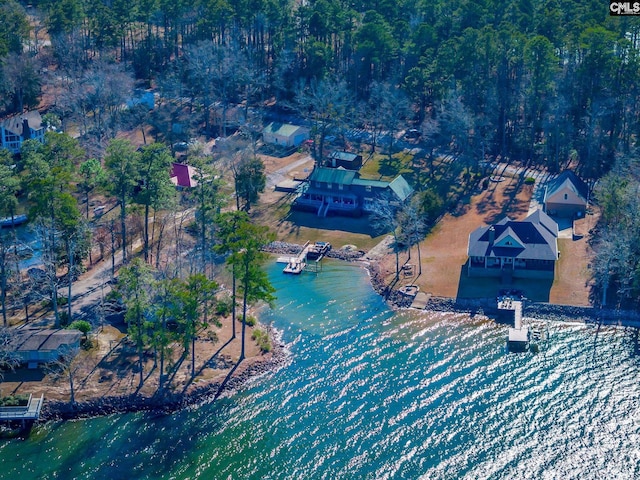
566,196
350,161
284,134
34,347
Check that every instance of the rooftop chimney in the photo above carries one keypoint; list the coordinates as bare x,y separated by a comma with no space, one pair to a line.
26,131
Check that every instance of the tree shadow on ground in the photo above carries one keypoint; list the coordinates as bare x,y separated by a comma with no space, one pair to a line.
276,151
390,167
225,381
510,205
487,287
206,364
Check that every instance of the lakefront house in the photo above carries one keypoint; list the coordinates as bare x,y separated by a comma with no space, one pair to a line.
515,249
342,192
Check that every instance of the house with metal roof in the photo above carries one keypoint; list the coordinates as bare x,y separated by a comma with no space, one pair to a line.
342,192
516,249
18,128
284,134
566,195
34,347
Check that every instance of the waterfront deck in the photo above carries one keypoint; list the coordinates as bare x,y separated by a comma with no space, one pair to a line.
30,412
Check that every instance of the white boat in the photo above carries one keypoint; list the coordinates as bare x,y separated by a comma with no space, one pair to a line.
294,267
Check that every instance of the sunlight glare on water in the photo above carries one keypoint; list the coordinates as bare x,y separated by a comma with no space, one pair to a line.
374,394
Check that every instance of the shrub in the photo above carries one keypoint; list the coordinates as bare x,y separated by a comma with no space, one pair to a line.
14,401
82,325
251,321
529,181
223,306
64,318
262,339
87,344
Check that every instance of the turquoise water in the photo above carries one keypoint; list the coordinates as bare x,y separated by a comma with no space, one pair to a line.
372,394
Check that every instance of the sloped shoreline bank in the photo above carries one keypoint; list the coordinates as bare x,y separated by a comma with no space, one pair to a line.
169,402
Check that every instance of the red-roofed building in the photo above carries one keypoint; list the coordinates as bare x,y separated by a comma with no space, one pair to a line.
183,175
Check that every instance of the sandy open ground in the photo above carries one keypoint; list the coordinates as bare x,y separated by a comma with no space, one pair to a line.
444,252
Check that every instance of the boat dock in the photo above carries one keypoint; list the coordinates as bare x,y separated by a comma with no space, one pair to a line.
29,412
310,253
511,311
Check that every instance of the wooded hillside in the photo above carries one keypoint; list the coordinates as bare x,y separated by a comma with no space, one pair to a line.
545,81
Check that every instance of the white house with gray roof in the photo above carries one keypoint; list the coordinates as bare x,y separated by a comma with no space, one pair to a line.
519,249
284,134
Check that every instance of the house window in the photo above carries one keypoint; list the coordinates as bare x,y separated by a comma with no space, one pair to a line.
340,186
566,196
329,186
367,188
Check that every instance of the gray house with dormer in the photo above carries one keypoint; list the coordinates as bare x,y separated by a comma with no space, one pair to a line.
518,249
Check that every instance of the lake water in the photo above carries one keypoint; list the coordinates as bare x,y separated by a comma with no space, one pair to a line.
373,394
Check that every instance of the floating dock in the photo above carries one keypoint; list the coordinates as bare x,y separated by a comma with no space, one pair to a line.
295,267
310,253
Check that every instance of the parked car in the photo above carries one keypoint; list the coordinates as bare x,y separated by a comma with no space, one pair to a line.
412,134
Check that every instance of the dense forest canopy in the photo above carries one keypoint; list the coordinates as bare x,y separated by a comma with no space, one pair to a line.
542,81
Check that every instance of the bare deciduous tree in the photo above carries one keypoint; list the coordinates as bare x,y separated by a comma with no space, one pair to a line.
325,103
66,365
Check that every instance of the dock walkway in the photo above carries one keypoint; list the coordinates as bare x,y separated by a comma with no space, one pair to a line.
310,252
29,412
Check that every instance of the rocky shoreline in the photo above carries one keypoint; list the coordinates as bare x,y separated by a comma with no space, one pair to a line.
285,248
168,402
